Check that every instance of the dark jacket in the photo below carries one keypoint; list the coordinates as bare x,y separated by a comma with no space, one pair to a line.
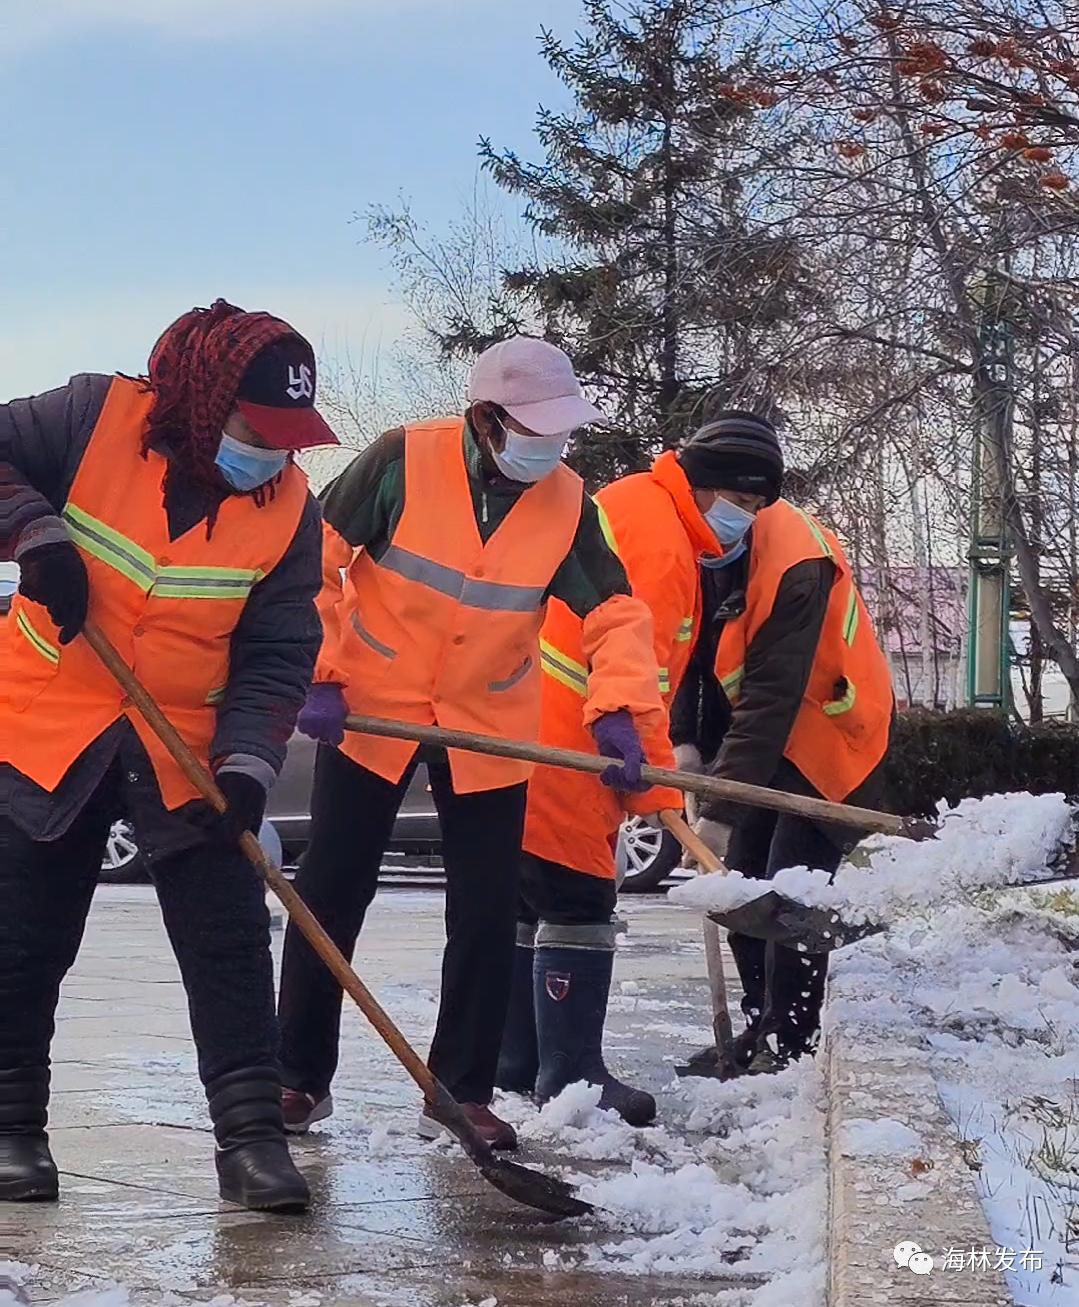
746,742
274,645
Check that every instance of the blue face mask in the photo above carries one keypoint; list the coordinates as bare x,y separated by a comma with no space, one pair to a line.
729,523
245,467
529,458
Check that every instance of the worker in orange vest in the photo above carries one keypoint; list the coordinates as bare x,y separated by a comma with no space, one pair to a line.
566,930
452,536
171,509
788,688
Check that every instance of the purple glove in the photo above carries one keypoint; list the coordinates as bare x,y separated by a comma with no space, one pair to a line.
616,737
323,715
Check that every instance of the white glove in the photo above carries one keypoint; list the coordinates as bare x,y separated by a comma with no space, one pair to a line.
687,757
716,834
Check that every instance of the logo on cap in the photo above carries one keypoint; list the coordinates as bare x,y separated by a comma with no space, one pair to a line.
301,384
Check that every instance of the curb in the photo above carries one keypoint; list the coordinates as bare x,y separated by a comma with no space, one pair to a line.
876,1202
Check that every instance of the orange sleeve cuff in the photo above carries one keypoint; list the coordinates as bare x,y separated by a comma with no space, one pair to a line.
653,800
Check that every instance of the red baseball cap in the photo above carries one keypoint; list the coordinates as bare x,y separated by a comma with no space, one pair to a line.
277,396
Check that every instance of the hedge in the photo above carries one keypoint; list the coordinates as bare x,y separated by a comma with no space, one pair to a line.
967,754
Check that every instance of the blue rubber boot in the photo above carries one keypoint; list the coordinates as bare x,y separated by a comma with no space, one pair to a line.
571,990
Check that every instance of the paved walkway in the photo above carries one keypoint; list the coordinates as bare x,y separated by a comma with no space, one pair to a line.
395,1222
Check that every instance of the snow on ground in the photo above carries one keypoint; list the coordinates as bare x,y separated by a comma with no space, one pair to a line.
988,983
733,1183
1004,839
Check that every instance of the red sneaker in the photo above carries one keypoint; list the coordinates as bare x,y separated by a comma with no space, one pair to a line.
301,1110
498,1133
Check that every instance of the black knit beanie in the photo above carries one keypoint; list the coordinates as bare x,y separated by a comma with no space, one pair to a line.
736,450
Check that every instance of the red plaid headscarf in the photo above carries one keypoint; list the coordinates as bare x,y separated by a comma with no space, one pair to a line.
195,371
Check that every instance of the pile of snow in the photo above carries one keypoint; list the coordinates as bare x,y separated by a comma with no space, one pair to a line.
1005,839
731,1186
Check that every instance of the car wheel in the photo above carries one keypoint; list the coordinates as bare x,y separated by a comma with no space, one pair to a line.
122,863
645,857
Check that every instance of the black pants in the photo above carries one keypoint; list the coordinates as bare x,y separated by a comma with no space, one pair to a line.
352,814
552,892
783,989
214,908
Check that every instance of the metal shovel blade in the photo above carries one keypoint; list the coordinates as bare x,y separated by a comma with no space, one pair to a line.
775,917
710,1063
546,1193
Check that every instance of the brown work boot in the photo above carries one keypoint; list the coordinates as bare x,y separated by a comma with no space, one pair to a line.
496,1132
301,1110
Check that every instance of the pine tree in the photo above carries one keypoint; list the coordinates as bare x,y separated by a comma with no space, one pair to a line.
660,275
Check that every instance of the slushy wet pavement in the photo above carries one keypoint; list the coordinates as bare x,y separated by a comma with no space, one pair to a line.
394,1220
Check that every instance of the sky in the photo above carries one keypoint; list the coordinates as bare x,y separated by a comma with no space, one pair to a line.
159,153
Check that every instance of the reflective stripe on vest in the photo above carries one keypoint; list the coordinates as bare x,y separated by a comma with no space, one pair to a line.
37,641
567,671
837,707
815,531
606,528
141,568
850,622
574,675
493,596
685,630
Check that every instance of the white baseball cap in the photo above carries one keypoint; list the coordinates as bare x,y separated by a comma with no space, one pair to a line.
534,382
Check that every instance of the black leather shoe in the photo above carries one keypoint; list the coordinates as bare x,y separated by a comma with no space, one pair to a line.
262,1176
27,1171
254,1168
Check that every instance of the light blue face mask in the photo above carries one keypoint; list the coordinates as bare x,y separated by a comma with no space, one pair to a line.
246,467
716,563
729,523
529,458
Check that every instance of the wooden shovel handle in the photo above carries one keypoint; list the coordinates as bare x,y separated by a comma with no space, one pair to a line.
756,796
684,833
301,914
713,944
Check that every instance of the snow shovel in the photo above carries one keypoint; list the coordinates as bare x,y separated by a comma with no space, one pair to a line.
717,1062
532,1188
771,916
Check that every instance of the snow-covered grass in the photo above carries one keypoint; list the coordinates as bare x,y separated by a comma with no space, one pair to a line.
987,981
731,1185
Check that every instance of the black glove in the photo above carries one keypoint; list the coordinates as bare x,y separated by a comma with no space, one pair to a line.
54,576
246,798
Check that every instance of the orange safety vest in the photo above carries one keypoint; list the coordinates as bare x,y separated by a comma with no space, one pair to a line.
169,606
652,522
444,628
841,731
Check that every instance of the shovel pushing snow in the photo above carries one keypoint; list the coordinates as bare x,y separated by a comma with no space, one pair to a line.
770,916
544,1192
